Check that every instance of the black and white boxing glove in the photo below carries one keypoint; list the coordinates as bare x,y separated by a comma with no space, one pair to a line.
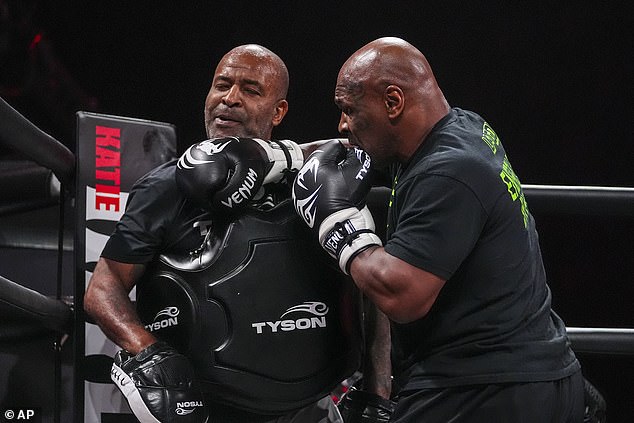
159,385
357,406
225,173
329,193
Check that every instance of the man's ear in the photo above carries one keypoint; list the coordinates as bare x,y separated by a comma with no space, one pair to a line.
281,108
394,101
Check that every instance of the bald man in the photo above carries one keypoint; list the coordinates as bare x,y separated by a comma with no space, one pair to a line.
260,331
460,275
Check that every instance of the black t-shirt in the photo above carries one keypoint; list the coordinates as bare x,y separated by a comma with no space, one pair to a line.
458,211
159,219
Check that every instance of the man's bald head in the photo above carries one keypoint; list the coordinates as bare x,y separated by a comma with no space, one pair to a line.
389,61
267,62
389,99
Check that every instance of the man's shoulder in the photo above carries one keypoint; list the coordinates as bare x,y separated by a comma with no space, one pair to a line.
162,176
158,185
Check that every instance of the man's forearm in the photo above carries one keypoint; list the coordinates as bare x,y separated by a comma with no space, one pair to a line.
109,305
121,324
377,368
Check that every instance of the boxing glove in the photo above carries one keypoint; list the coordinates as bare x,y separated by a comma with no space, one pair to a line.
357,406
158,384
225,173
329,193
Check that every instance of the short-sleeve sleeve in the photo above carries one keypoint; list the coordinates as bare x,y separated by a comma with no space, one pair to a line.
437,221
139,234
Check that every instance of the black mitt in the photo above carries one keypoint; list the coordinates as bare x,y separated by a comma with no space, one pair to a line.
159,385
358,406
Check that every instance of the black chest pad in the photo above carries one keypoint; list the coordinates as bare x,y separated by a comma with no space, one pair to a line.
268,321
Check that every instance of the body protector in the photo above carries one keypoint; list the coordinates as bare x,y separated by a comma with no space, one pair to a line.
269,323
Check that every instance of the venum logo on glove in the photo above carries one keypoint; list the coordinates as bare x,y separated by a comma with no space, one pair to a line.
244,191
333,241
317,311
211,148
306,207
188,161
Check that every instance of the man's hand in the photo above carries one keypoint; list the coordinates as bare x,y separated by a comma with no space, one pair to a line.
159,385
225,173
329,193
364,407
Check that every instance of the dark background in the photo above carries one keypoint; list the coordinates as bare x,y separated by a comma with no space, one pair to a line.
554,79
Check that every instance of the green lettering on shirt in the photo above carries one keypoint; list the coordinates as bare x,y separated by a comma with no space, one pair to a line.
490,137
514,188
